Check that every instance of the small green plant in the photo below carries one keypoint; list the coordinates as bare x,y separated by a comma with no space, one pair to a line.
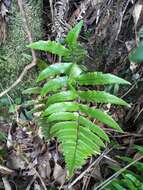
132,178
67,108
128,181
137,54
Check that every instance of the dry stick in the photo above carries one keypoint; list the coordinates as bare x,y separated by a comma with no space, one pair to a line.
28,67
121,19
33,63
138,115
130,89
52,10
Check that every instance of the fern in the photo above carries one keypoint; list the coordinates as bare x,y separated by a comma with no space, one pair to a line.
67,111
129,179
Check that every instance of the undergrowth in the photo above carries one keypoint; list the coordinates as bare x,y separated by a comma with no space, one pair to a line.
130,178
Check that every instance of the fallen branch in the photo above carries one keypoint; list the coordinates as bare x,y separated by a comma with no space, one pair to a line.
6,183
33,63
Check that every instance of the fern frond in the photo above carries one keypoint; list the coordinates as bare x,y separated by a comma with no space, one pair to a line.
101,116
73,34
54,84
50,46
64,106
74,107
75,71
63,116
53,70
62,97
65,112
74,138
99,78
101,97
94,128
72,129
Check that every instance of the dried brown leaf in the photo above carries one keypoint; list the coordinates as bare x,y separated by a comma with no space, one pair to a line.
59,174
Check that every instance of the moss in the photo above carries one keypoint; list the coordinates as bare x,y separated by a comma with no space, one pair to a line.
12,59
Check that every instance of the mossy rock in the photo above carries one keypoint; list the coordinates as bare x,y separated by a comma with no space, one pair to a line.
13,51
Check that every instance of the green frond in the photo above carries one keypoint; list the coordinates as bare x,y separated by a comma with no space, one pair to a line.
94,128
67,116
53,70
75,138
75,71
101,116
93,137
101,97
99,78
137,165
50,46
73,34
63,116
62,97
117,185
54,84
61,107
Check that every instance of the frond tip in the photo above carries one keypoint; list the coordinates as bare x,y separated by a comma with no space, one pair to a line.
75,138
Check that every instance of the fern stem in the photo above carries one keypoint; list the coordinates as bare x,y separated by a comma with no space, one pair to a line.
77,137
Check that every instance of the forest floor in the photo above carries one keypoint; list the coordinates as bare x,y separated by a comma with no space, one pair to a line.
111,30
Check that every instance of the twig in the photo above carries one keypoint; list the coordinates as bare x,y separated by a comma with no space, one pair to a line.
28,67
130,89
5,171
52,10
121,18
138,115
33,63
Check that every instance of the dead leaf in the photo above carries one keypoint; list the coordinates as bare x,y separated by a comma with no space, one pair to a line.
59,174
44,167
15,162
97,172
